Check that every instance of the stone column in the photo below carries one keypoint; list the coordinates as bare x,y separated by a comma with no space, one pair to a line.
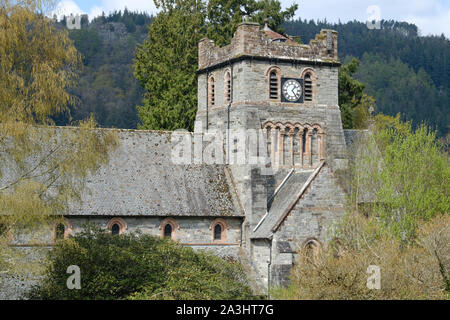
281,146
321,146
272,147
300,147
291,144
309,147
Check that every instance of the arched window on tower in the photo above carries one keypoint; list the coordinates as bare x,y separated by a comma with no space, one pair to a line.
274,83
308,85
211,91
227,82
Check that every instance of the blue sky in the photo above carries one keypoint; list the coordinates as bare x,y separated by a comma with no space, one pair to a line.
431,16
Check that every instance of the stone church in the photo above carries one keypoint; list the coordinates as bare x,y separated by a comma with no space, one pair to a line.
259,214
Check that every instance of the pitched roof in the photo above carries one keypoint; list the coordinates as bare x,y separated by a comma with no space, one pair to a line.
141,180
276,36
288,195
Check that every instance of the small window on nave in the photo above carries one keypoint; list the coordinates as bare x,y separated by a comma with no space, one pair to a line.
168,231
60,231
218,232
115,229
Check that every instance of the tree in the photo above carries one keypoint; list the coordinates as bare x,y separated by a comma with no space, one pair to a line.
42,168
355,104
223,16
418,270
397,219
166,66
167,62
138,267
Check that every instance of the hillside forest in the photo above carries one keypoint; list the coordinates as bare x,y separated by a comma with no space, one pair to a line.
405,72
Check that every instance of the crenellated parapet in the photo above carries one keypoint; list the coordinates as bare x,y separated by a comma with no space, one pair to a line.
251,41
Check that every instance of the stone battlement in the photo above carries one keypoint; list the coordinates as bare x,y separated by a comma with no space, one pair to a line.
252,41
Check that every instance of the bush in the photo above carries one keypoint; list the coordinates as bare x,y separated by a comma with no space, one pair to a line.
136,266
418,270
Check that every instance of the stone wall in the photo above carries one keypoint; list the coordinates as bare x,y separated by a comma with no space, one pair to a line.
311,218
251,40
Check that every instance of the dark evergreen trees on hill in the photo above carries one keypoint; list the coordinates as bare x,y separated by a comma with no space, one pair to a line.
107,87
404,71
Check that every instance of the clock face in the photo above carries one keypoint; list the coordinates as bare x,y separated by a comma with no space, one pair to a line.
292,90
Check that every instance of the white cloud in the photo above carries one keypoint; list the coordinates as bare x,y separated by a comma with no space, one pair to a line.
431,16
66,8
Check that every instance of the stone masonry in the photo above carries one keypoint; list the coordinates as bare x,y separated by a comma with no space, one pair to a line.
260,214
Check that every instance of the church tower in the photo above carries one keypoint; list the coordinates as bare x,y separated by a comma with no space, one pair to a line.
289,91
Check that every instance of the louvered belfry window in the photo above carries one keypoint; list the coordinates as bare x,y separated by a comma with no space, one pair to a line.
227,87
273,86
212,92
308,87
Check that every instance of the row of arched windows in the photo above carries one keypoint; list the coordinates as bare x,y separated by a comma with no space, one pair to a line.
294,144
168,227
212,89
274,80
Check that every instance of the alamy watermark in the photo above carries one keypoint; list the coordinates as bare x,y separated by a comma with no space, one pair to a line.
374,279
74,280
224,146
373,17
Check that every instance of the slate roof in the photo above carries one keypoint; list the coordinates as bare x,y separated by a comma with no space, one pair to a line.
288,195
141,180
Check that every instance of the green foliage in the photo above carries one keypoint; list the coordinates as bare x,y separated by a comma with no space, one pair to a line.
166,63
137,266
354,103
406,173
418,270
223,17
397,88
42,168
166,67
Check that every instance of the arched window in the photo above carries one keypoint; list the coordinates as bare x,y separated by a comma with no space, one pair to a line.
169,228
60,231
218,232
311,250
212,91
117,226
305,132
273,89
227,82
219,229
168,231
308,87
115,229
